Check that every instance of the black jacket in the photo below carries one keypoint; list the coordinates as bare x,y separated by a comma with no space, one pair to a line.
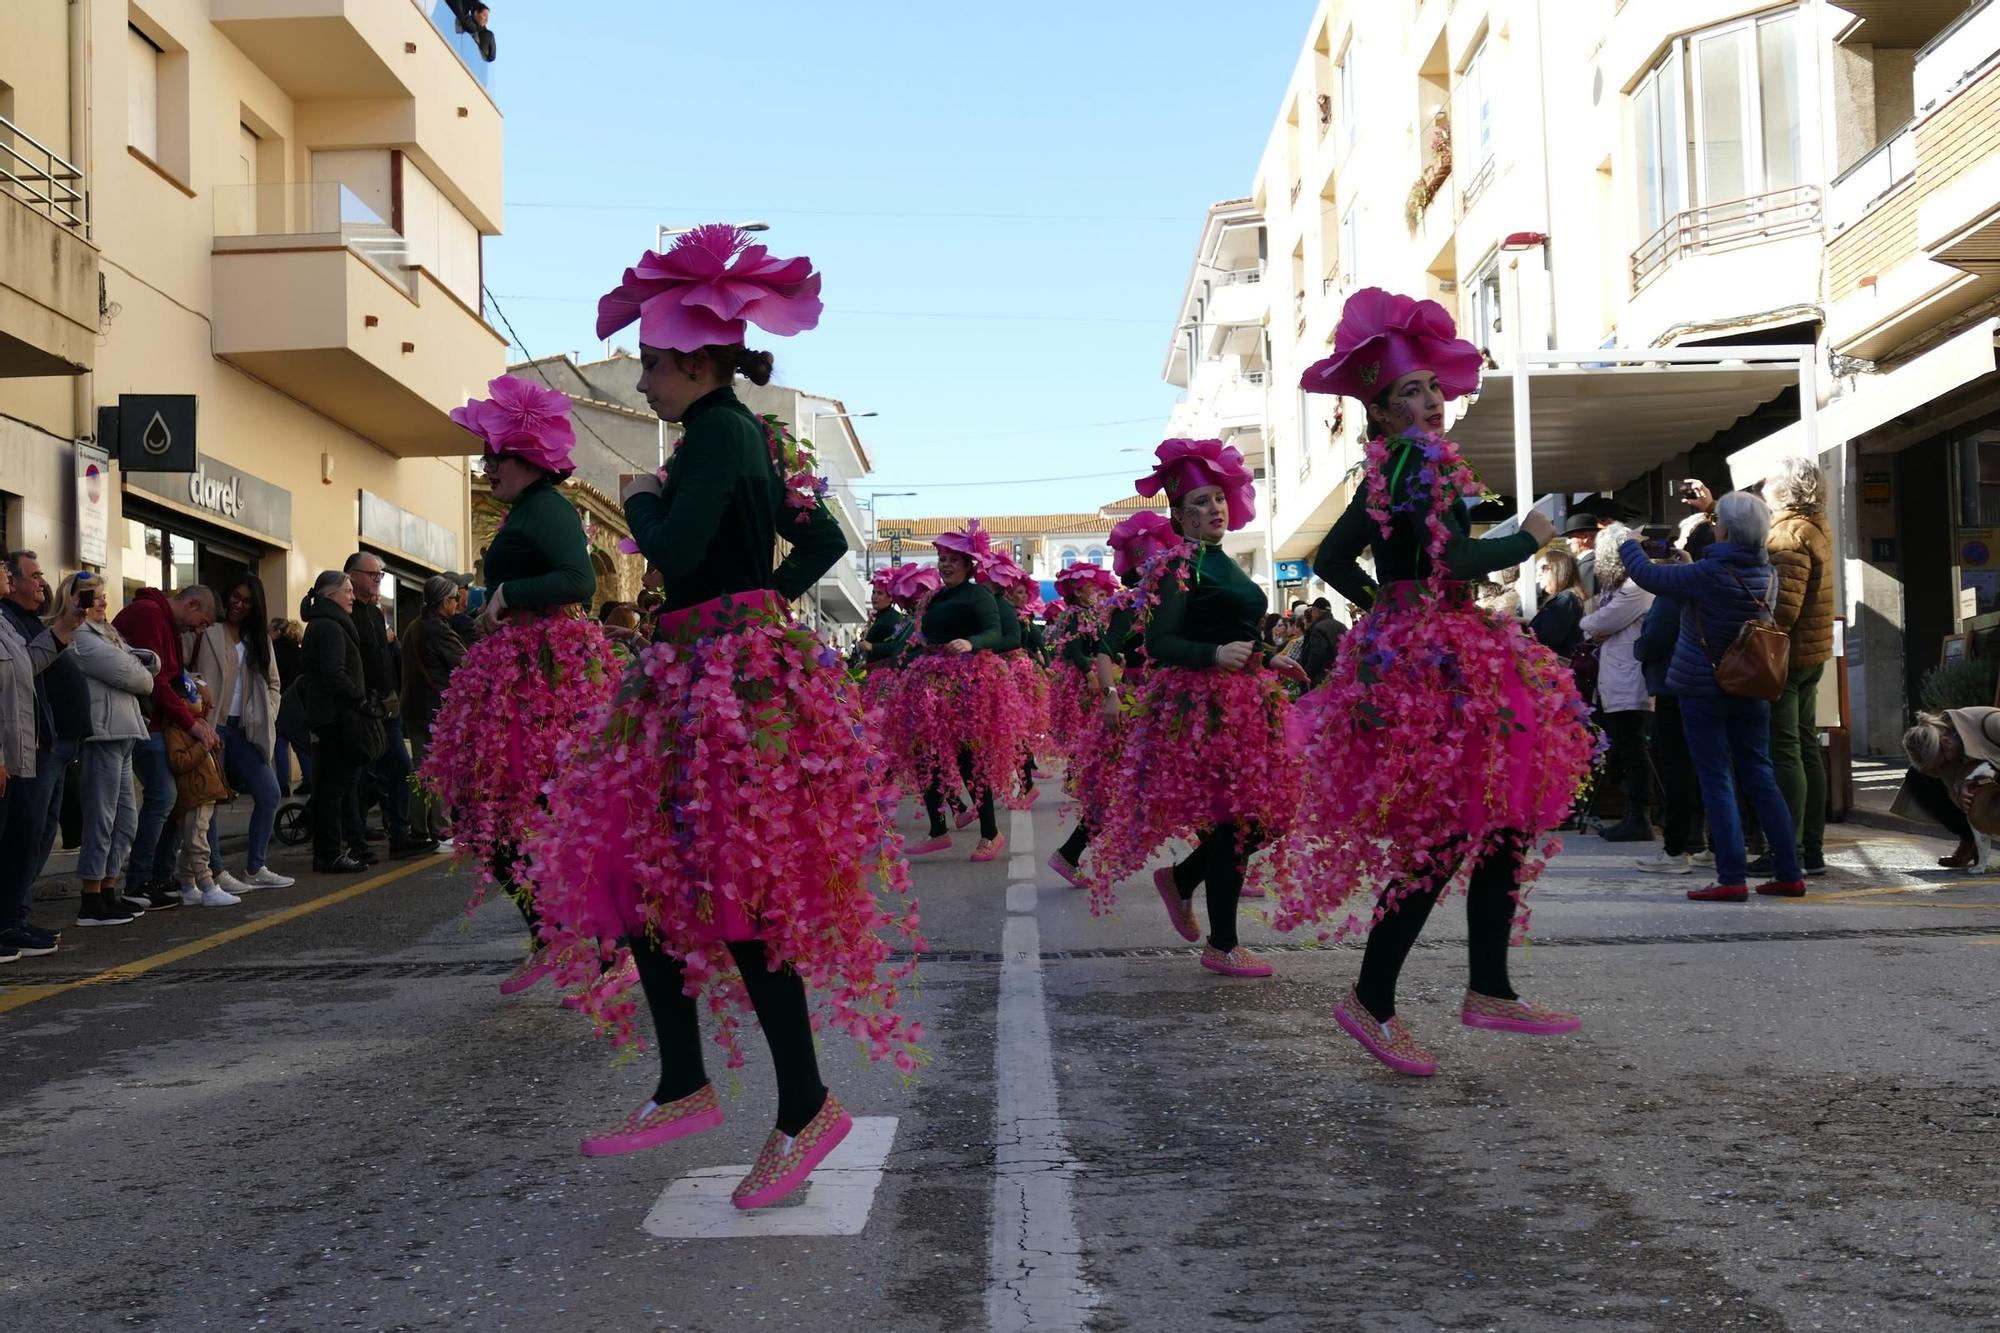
378,659
1558,625
331,680
431,652
1322,647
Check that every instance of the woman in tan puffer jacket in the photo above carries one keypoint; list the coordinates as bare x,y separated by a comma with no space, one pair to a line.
1801,547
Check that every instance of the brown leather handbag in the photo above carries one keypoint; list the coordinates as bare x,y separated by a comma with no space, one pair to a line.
1756,664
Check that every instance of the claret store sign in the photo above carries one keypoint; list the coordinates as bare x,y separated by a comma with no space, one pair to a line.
230,494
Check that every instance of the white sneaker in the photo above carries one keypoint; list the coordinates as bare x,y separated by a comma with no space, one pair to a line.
267,878
1702,859
447,847
228,883
190,896
1659,863
216,896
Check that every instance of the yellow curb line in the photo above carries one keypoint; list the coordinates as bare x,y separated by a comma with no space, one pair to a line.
16,998
1927,886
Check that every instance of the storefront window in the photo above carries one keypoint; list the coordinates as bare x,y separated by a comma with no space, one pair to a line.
141,560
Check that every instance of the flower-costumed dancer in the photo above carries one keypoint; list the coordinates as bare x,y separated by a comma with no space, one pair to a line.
538,668
1016,594
1205,755
887,625
1447,740
1110,644
729,818
955,716
908,587
1073,640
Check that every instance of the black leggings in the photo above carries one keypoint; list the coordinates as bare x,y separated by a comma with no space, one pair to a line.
780,1001
1073,846
1218,862
1489,919
989,826
1680,794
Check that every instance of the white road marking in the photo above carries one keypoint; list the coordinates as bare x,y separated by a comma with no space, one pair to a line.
1021,897
834,1202
1021,834
1035,1277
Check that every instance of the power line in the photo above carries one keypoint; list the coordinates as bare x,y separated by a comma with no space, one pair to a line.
685,211
874,484
913,314
508,324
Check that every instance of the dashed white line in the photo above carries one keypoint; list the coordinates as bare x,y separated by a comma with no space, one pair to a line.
835,1202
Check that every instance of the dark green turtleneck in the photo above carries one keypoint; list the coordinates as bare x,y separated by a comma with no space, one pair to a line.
1206,600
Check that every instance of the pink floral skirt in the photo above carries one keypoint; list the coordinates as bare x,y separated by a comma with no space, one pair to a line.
734,790
1193,749
519,693
1441,732
1070,701
948,702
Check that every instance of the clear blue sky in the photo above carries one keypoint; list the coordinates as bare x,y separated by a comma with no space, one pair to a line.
1004,200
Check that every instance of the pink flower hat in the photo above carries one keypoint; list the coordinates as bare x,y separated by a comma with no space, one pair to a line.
708,288
524,420
973,541
1189,465
1383,337
1138,538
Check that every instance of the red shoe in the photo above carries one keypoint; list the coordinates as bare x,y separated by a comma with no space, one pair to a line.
941,843
1237,962
532,969
652,1124
1783,888
1064,870
989,848
1389,1042
1721,893
785,1163
1180,911
1497,1015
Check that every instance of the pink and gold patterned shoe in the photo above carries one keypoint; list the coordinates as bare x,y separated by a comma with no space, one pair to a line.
941,843
1254,888
1180,911
1496,1015
1389,1042
532,969
989,848
652,1124
612,983
786,1162
1064,870
965,816
1238,962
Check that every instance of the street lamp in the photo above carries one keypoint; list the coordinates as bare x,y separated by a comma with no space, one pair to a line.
869,505
664,231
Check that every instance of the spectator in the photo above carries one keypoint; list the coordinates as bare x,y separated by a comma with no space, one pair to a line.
1277,631
334,697
1698,528
474,15
286,636
200,789
1729,736
118,678
1951,755
384,677
1802,552
1558,624
1581,533
62,720
1506,602
1680,794
431,652
1322,642
235,658
1621,683
22,660
156,622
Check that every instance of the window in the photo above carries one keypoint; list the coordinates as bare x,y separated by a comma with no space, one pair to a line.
1070,556
1350,244
142,93
1482,304
1098,555
1347,68
1718,120
1475,104
1657,111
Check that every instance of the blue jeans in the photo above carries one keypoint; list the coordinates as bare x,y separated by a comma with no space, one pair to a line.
246,771
152,859
51,772
1730,739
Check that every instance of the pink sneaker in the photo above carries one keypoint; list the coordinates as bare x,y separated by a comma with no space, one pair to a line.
1034,794
1389,1042
620,977
1253,888
1180,911
652,1125
941,843
532,969
1496,1015
989,848
1064,870
965,816
1238,962
785,1163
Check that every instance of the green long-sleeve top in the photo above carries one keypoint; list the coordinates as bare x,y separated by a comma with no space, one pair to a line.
1401,556
885,634
538,558
968,612
1124,640
1010,623
1079,649
1205,601
714,527
1035,640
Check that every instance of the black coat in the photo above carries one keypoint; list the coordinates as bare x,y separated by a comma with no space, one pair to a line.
331,678
378,656
432,650
1322,647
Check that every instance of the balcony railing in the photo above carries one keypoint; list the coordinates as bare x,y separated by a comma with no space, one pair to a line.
35,174
1739,222
463,44
1886,166
311,210
1961,50
1230,277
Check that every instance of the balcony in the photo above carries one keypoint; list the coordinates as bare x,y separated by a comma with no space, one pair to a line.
843,597
315,295
1727,226
1238,296
48,267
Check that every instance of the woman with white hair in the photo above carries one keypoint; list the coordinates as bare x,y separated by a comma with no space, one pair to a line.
1621,682
1801,548
1729,736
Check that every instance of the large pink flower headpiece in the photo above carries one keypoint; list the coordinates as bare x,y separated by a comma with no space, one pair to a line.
975,543
1189,465
1005,575
1383,337
709,286
523,419
911,581
1138,538
1085,575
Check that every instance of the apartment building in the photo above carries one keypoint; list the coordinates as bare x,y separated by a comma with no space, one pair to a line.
275,208
1580,182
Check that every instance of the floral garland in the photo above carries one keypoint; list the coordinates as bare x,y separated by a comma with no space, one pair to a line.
1507,739
519,692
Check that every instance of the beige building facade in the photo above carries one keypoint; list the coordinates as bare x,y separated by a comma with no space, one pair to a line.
282,206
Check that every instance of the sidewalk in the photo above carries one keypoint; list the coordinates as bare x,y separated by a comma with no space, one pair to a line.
1877,778
233,833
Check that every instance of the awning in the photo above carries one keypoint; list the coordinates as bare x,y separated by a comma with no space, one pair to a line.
1595,429
1879,400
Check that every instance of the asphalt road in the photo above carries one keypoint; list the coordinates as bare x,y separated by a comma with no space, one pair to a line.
314,1112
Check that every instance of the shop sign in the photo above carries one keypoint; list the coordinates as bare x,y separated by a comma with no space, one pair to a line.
1877,488
93,505
1291,571
153,432
385,523
243,500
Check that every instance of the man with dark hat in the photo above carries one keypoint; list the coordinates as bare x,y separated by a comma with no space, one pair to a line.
1580,531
